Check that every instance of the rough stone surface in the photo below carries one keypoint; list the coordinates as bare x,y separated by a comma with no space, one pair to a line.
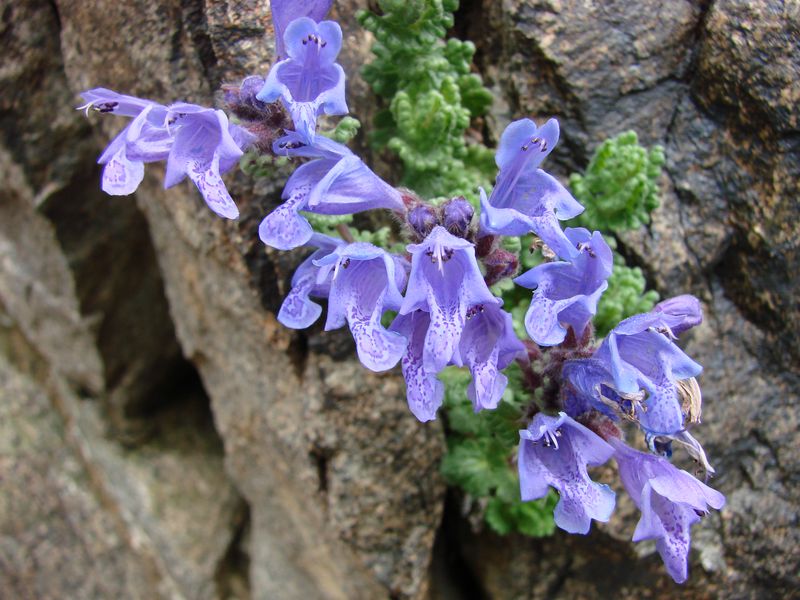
171,491
56,538
310,479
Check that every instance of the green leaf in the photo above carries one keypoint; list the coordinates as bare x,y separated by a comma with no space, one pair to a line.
344,131
620,186
431,94
475,465
536,518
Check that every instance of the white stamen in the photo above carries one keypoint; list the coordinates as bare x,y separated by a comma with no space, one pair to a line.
551,439
86,107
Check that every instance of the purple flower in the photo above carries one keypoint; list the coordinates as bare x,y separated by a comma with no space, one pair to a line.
309,82
450,317
196,142
567,292
588,388
488,345
337,182
286,11
365,282
424,390
671,501
639,357
145,139
205,145
554,452
524,197
680,313
636,371
297,310
446,282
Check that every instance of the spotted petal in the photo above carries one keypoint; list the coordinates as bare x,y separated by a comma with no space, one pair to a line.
284,228
424,390
445,281
363,287
120,175
567,292
297,310
208,181
554,451
488,344
670,499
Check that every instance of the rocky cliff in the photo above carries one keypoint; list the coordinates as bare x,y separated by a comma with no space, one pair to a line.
162,436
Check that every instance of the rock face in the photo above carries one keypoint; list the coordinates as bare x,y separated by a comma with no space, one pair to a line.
162,436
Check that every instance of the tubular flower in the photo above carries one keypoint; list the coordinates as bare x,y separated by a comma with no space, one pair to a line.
297,310
445,281
639,357
637,370
309,82
365,282
488,345
525,198
337,182
554,452
195,141
671,501
567,292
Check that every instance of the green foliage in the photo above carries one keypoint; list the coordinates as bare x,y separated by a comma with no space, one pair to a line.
481,455
624,297
345,130
431,96
619,188
531,518
261,166
328,225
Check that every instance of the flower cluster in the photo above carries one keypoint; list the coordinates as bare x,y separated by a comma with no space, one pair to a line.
438,289
196,142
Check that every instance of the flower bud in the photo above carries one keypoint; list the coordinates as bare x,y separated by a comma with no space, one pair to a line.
422,219
457,215
242,99
499,265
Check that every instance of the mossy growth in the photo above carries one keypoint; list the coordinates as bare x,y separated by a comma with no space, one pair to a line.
431,97
620,186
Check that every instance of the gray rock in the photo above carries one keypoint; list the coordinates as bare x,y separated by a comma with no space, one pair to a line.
342,492
57,540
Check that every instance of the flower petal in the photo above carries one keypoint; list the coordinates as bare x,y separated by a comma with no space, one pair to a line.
424,390
121,176
284,228
207,179
286,11
297,310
